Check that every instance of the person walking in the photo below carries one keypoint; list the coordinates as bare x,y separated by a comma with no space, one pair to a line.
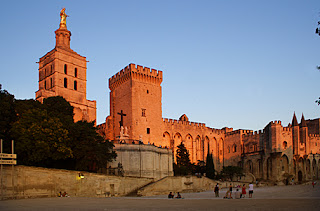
250,190
230,189
216,190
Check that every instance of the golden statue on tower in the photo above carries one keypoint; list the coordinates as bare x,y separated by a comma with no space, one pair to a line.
63,18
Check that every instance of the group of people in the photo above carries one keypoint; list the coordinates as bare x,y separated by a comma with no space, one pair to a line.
238,194
171,196
64,194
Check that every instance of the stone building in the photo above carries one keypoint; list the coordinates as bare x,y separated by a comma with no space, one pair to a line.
276,153
63,72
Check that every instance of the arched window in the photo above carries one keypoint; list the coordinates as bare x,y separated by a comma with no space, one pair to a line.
45,84
234,148
65,83
65,69
75,85
51,83
75,72
285,144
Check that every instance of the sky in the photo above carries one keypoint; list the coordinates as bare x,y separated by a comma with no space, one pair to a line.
238,64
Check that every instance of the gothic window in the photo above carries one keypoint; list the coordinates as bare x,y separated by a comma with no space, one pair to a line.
75,72
234,148
65,83
65,69
147,91
51,83
75,85
148,130
45,84
284,144
143,112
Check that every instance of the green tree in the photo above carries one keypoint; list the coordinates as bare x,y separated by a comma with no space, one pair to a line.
183,165
231,171
210,166
58,107
40,139
91,152
7,114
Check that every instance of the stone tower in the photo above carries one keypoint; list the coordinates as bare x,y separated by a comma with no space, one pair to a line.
135,103
62,72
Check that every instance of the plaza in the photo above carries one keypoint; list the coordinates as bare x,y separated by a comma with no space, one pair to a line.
295,197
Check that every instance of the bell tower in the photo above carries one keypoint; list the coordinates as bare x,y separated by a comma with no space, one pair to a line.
62,72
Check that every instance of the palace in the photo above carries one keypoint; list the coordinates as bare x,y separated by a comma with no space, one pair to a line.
276,153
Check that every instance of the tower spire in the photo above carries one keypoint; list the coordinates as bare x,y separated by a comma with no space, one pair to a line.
294,120
303,121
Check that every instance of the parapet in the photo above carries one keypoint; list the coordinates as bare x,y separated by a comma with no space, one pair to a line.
178,122
275,122
252,134
136,73
238,132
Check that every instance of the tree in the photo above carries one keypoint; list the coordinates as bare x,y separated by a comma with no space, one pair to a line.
210,167
7,114
58,107
91,152
183,166
231,171
40,139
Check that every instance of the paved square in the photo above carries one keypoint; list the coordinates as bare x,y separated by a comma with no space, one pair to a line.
297,197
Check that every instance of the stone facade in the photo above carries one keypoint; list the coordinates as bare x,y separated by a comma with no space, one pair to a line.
62,72
277,153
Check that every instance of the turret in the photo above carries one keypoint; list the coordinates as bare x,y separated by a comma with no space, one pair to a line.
295,134
303,134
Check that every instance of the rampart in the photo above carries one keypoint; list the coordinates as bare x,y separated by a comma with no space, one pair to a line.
135,72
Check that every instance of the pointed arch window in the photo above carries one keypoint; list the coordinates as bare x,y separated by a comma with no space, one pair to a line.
75,85
45,84
51,83
65,82
65,69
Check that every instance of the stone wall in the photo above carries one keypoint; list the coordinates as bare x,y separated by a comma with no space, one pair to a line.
32,182
144,160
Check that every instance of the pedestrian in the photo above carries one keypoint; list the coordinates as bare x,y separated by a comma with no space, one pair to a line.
244,192
178,196
230,189
216,190
250,190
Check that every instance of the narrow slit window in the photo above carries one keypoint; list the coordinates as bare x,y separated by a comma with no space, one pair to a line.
65,69
75,85
148,130
75,72
65,83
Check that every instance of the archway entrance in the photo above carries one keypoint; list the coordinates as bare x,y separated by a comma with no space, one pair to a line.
299,176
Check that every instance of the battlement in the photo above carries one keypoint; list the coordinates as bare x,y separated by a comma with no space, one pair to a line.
238,132
177,122
288,129
135,72
314,135
275,122
252,134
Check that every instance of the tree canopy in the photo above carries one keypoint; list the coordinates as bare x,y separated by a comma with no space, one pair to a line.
46,135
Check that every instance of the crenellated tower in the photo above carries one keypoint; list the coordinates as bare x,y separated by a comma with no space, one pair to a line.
135,103
62,72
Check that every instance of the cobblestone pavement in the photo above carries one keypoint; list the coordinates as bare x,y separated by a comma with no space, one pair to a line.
297,197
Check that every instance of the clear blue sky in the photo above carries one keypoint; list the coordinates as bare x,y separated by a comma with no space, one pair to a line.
237,64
